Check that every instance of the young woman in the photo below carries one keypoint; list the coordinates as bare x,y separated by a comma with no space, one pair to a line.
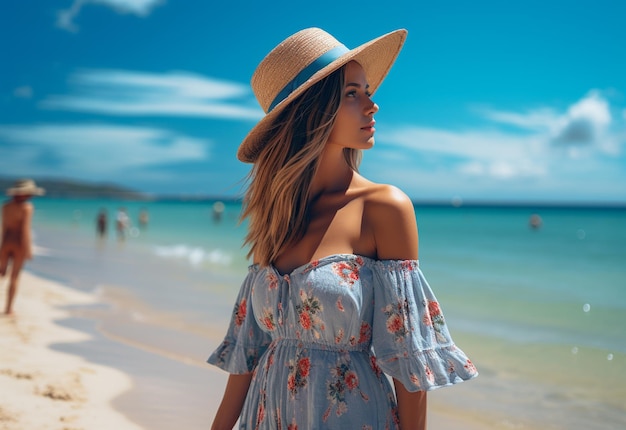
16,244
335,298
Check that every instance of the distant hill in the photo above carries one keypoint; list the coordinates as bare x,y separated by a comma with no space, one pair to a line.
69,188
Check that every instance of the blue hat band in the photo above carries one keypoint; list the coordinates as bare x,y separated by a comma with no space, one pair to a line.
304,75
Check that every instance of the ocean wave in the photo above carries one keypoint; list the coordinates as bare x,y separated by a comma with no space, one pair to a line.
40,250
195,256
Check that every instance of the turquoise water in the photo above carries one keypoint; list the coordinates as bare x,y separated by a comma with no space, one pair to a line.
543,311
574,264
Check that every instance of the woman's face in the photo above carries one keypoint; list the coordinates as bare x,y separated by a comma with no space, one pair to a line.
354,124
20,198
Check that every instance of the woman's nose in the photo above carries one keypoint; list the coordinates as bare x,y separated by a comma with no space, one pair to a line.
372,107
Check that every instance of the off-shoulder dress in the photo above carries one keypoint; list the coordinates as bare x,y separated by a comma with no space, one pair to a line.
321,340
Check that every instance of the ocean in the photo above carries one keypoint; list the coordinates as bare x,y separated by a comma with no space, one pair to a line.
541,311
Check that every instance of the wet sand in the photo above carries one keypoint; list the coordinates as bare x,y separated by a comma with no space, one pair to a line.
45,389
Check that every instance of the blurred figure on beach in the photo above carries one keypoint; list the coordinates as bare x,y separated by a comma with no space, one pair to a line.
535,222
218,211
101,223
16,246
122,224
144,218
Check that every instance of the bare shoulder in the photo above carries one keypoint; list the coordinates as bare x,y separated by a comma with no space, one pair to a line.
391,215
20,207
387,201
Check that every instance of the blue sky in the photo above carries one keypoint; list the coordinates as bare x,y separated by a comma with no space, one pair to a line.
489,100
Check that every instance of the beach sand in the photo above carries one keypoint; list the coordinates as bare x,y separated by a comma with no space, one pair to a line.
44,388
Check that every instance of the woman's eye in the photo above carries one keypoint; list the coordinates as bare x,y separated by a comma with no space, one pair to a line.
351,93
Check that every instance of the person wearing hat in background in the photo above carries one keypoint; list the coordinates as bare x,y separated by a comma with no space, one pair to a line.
334,299
16,245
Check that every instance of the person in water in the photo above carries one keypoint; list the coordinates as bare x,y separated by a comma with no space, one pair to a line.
335,298
16,245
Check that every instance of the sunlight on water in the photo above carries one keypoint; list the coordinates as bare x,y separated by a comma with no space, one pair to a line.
196,256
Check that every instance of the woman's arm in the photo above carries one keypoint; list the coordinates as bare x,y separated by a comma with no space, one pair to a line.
411,407
232,401
26,227
395,231
5,221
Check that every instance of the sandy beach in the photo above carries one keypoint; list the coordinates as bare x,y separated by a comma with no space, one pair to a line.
45,389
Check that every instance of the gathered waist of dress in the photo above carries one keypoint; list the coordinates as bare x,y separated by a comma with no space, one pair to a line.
331,347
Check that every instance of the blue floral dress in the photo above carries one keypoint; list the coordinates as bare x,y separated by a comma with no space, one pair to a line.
321,339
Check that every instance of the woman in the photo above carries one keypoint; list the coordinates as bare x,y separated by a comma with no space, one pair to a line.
16,245
335,296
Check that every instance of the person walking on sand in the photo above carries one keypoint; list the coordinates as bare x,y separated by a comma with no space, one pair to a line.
122,223
144,218
16,245
102,223
335,298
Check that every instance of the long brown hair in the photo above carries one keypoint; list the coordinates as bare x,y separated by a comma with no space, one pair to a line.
276,201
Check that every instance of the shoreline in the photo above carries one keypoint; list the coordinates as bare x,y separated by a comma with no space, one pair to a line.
59,356
64,389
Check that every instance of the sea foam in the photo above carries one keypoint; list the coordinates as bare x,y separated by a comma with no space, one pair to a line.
195,256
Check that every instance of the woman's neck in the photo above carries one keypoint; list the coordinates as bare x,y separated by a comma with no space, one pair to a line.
333,173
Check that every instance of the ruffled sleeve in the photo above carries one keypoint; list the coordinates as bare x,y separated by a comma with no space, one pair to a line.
410,336
245,341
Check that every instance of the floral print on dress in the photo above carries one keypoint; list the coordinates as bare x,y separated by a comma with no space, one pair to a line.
396,322
469,366
435,318
365,335
260,415
267,319
299,369
375,367
407,266
348,271
311,266
272,280
339,337
308,311
240,312
252,358
344,380
415,380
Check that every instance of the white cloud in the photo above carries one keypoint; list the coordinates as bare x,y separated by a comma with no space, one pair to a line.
543,155
481,153
141,8
539,119
96,149
131,93
585,121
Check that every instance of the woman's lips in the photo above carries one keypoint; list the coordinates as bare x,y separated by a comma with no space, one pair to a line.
369,127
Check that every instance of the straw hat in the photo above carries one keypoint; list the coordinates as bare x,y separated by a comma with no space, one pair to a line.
25,187
303,59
